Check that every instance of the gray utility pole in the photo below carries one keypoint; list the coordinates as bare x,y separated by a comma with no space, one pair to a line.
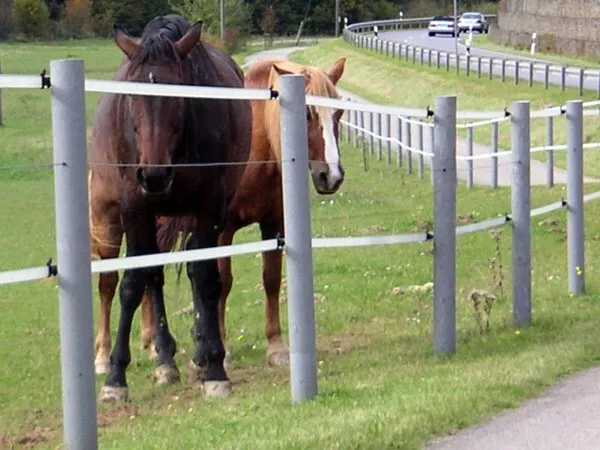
222,20
337,18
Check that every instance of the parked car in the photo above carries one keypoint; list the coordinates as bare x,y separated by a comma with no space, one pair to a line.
441,25
475,20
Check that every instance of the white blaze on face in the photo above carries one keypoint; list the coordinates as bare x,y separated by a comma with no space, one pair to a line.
332,153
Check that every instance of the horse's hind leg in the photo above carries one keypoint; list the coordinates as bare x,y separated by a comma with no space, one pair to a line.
226,238
278,353
149,325
106,243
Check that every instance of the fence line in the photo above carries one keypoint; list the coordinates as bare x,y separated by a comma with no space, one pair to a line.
74,269
355,34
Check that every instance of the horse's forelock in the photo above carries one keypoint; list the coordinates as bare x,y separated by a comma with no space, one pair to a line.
319,84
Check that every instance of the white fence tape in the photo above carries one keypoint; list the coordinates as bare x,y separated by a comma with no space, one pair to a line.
176,90
23,275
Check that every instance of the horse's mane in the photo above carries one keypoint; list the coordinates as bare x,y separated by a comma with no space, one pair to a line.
158,38
319,84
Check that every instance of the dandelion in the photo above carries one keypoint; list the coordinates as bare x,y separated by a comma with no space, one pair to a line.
579,271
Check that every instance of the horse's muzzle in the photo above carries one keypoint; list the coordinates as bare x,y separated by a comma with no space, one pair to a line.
325,183
155,180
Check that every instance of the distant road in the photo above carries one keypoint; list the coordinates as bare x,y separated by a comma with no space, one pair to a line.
445,43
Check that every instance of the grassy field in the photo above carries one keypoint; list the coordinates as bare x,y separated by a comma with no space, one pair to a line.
381,386
391,81
485,43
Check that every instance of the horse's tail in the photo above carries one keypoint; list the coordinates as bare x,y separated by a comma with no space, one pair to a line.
172,233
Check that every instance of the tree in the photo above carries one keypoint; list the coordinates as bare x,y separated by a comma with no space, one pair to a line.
32,18
268,24
238,16
77,18
6,19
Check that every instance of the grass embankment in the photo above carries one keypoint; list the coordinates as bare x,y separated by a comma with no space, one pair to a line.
391,81
485,43
380,384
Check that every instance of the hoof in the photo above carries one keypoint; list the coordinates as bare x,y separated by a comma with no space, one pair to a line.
228,361
278,358
102,367
152,354
166,374
216,389
111,394
196,374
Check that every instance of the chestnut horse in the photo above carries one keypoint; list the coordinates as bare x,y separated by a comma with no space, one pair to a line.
164,156
259,197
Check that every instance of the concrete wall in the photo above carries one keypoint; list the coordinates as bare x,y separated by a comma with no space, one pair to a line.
570,27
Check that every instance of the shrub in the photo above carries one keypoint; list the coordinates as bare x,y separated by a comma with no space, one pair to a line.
77,18
6,20
32,18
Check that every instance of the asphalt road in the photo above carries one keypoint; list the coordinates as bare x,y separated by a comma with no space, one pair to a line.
445,43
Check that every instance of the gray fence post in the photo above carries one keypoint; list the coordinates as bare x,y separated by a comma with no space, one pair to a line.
431,147
1,117
408,143
379,141
470,161
575,223
521,213
550,141
399,122
421,158
503,70
478,67
444,278
491,68
371,138
388,126
517,72
363,136
495,158
546,75
298,239
563,78
73,254
581,80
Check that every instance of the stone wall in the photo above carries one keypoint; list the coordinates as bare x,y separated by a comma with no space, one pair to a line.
570,27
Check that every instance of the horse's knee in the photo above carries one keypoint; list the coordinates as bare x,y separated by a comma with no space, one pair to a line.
271,281
132,288
107,284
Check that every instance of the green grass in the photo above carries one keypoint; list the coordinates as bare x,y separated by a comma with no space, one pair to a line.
381,386
484,42
402,83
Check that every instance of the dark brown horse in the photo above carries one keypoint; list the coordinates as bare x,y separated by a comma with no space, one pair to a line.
141,153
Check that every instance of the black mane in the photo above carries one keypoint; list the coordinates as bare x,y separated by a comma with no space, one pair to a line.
158,38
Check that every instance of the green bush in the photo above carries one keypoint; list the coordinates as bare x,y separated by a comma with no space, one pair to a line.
32,18
6,20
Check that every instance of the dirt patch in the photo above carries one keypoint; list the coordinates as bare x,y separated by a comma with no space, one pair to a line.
29,439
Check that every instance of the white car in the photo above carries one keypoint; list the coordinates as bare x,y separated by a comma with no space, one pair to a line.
476,20
441,25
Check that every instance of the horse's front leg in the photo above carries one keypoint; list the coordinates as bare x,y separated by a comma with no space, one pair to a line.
207,364
278,353
140,234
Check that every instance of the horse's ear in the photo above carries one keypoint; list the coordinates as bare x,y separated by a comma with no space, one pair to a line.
125,43
189,39
336,72
280,71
